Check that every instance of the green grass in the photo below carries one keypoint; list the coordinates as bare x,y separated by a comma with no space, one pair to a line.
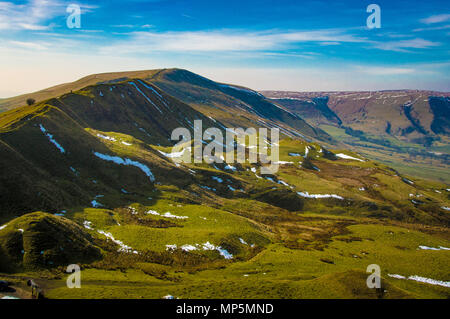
279,272
296,247
398,155
203,224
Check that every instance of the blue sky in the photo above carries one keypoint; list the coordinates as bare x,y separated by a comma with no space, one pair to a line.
285,45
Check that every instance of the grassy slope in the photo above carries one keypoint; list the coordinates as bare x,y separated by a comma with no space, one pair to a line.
292,254
302,248
58,90
428,167
235,106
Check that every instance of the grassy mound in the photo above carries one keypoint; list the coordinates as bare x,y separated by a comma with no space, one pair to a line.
39,240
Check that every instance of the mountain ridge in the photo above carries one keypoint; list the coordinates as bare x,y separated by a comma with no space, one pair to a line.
394,126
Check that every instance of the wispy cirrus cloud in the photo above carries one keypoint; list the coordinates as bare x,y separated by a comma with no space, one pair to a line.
405,45
436,19
29,45
35,14
30,16
239,41
442,27
382,70
224,40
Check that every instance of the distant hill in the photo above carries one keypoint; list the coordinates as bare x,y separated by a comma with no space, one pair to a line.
403,121
408,115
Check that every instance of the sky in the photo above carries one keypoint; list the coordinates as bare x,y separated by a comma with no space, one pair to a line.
265,45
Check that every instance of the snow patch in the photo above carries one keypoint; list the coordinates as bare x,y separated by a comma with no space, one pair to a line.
408,181
170,215
231,168
96,204
423,280
243,242
306,151
433,248
126,161
283,183
224,253
270,179
208,188
218,179
146,97
205,246
172,155
317,196
123,247
396,276
166,215
105,137
52,140
344,156
88,225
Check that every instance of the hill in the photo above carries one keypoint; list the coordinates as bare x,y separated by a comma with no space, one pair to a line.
234,106
96,166
43,240
391,126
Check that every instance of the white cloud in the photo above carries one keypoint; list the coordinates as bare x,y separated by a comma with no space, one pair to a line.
28,17
402,45
223,40
436,19
29,45
443,27
33,15
235,41
380,70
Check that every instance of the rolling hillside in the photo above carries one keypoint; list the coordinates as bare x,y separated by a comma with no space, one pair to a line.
89,173
233,105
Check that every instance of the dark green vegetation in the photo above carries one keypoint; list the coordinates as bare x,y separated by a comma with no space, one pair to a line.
91,155
394,127
42,240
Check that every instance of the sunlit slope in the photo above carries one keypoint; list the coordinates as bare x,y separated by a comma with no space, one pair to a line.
9,103
236,106
96,164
